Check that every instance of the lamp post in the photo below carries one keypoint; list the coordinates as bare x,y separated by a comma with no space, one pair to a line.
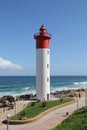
77,102
86,98
8,122
31,94
15,106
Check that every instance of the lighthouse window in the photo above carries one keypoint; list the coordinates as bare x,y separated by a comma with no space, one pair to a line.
47,79
47,52
47,65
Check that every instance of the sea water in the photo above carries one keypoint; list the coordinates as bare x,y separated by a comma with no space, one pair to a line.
18,85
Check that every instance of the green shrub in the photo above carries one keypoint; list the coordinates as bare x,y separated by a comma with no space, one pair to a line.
61,99
43,104
33,104
23,113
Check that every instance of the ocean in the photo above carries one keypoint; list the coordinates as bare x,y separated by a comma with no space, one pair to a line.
18,85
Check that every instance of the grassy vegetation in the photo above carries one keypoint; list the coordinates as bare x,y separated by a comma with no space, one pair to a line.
33,109
77,121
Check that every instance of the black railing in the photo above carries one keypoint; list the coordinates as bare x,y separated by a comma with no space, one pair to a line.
40,33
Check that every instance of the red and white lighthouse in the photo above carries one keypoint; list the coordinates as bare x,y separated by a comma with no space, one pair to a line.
42,64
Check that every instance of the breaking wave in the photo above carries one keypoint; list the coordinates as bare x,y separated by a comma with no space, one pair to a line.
80,83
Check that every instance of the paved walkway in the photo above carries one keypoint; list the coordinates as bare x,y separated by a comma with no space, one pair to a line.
48,121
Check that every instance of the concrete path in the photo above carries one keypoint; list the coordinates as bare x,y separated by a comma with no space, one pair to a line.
48,121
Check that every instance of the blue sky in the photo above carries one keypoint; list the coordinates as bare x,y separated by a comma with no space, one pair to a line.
66,20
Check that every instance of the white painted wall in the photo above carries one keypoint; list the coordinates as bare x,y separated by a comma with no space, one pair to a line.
42,73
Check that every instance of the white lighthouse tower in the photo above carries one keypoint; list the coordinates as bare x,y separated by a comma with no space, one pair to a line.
42,64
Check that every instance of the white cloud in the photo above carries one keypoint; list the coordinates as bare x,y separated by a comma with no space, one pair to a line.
6,64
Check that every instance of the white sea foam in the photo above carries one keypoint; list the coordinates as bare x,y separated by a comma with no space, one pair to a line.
80,83
53,89
27,88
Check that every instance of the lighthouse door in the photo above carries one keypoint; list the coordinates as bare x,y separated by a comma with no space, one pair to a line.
47,96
